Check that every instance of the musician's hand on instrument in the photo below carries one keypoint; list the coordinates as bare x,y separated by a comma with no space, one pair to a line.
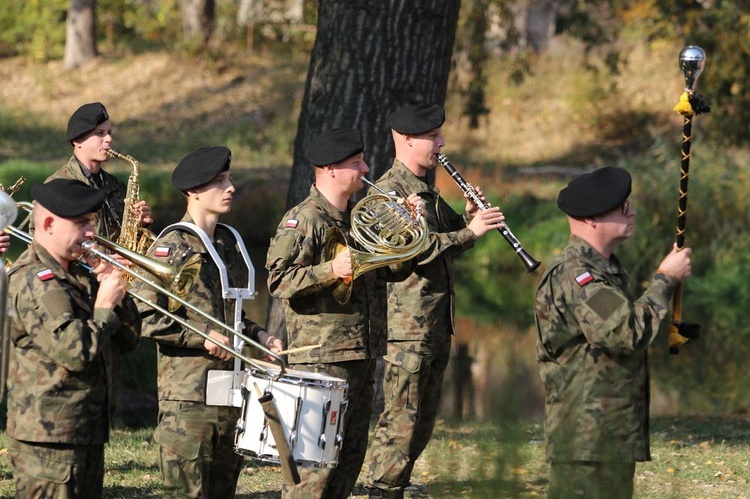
342,264
416,202
112,287
484,221
271,342
677,264
122,260
143,212
215,350
471,206
4,242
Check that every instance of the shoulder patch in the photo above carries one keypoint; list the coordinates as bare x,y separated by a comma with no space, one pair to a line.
162,251
45,275
584,279
291,223
605,302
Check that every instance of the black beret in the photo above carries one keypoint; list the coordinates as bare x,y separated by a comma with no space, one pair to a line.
417,118
334,146
68,197
86,118
595,193
201,166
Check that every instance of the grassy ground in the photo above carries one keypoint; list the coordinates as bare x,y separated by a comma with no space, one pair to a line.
692,458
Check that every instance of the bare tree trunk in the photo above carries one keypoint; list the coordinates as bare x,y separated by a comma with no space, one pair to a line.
80,34
369,59
540,20
197,21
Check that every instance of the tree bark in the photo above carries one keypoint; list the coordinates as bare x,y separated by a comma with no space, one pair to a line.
80,34
540,23
197,21
369,59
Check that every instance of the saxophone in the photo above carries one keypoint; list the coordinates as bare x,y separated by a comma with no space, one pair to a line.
133,236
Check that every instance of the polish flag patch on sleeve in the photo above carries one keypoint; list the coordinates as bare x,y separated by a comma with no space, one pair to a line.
584,279
291,223
162,251
45,275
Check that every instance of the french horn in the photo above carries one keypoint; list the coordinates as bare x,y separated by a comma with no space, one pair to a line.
388,230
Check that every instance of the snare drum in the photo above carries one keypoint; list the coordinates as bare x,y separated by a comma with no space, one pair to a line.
311,407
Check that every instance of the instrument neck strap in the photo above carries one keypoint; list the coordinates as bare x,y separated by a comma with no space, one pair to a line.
228,292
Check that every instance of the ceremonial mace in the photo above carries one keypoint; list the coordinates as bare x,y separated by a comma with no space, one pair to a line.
692,62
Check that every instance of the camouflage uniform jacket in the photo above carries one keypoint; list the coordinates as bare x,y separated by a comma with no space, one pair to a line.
183,362
421,308
105,224
298,275
63,363
592,352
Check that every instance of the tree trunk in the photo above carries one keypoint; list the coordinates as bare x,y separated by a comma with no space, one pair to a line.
197,21
369,59
80,34
540,21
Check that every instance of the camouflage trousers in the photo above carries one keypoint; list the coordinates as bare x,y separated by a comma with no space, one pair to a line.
412,385
591,480
57,471
338,482
196,450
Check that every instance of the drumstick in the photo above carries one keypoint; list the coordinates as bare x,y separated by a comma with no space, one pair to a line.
299,349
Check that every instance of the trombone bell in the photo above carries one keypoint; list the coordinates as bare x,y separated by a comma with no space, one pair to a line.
179,280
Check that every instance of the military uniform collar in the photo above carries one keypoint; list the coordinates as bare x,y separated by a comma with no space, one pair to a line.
415,184
37,252
327,207
76,169
591,255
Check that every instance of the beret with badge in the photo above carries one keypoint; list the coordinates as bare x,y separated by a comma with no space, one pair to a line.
85,119
415,119
334,146
595,193
67,197
201,166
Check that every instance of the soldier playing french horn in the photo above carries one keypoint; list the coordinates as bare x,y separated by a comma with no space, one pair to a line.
351,334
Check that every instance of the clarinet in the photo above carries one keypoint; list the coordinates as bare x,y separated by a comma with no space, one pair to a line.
468,189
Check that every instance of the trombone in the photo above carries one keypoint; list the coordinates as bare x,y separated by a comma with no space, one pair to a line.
92,252
179,278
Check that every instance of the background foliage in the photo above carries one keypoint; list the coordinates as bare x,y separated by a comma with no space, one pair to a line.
521,123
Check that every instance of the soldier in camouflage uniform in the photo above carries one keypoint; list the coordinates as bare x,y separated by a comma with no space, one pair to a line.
66,329
593,341
197,457
90,135
351,335
420,309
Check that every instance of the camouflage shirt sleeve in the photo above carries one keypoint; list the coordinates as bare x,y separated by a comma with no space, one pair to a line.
608,319
294,262
53,316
